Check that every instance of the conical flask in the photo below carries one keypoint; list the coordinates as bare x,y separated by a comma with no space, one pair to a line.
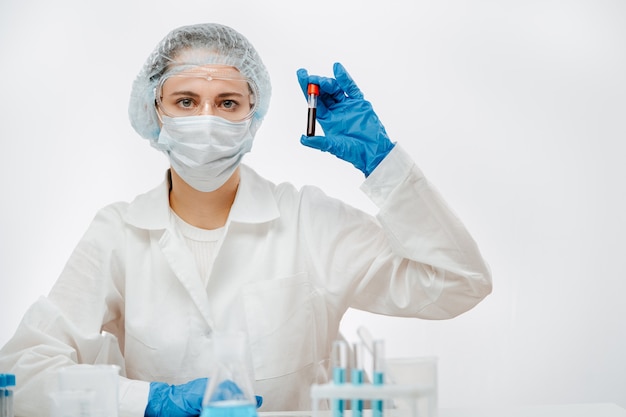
229,392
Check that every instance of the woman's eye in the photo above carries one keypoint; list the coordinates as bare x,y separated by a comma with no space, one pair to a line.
185,103
229,104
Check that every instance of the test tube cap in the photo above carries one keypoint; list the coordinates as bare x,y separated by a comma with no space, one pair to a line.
313,89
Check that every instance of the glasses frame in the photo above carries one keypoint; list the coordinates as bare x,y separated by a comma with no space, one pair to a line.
211,74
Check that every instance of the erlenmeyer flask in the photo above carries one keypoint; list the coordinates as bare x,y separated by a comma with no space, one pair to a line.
229,392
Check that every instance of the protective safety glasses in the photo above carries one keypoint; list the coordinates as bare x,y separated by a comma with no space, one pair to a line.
205,90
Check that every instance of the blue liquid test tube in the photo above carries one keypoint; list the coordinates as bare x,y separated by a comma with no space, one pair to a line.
8,399
3,384
7,382
378,374
339,361
356,377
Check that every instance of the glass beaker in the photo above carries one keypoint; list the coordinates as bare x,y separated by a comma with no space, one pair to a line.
229,392
86,390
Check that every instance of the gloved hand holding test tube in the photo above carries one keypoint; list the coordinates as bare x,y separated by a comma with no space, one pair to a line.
352,130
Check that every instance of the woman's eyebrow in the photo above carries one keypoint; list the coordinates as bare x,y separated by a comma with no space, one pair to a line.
184,93
230,94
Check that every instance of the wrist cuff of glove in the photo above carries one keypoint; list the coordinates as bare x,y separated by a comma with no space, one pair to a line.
382,154
156,397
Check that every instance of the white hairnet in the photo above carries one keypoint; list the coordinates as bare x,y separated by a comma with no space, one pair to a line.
201,44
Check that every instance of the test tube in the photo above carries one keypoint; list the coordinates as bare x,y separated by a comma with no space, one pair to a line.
356,377
7,382
339,363
378,374
313,90
3,383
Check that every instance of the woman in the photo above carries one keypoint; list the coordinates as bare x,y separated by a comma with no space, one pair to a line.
216,247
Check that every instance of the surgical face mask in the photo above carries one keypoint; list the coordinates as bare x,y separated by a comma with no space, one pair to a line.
204,150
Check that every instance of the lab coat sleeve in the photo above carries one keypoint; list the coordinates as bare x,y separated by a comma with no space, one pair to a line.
70,325
435,269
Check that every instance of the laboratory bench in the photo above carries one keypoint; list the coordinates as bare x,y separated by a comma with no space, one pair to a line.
558,410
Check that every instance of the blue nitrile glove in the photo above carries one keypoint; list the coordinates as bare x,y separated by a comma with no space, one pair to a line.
185,400
353,131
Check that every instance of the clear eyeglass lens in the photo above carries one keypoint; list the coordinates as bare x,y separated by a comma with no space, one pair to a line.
229,98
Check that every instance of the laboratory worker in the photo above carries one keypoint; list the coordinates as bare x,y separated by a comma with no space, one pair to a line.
216,247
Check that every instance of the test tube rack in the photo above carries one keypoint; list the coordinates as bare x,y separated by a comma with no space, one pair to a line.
409,395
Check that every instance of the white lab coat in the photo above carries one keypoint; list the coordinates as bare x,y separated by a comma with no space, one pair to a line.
290,263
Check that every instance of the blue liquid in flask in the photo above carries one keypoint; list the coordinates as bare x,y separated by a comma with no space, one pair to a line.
229,409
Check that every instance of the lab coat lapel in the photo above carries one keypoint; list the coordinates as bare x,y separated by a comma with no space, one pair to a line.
254,204
254,207
184,266
151,211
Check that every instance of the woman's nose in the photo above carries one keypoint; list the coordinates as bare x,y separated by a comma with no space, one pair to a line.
206,109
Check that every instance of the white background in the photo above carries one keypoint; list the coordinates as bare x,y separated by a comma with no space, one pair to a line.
514,110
